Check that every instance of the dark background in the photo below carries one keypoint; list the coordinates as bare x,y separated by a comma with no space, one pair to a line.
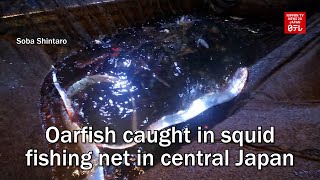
283,89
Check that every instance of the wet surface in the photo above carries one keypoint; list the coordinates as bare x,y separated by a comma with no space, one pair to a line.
160,67
289,100
292,111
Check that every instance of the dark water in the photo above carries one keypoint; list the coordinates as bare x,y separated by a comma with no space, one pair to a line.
161,68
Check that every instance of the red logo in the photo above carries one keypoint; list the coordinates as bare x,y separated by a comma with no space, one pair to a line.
295,22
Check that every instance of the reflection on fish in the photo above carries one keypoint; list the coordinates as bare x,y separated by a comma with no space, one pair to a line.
68,120
202,43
